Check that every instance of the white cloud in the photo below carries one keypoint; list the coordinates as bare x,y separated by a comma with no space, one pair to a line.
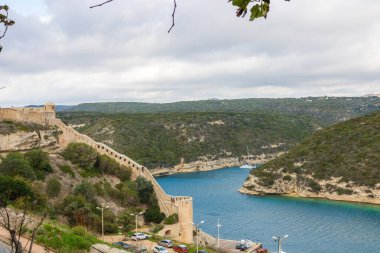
65,52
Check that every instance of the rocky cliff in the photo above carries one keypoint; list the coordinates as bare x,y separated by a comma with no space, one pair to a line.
341,162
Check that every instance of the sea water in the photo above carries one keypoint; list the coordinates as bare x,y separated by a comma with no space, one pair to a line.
313,226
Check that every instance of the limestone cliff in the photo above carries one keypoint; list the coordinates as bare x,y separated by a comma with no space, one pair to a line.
341,162
19,137
332,189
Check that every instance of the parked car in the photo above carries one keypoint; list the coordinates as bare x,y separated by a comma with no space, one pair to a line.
247,244
201,251
139,236
166,243
240,244
181,249
160,249
123,245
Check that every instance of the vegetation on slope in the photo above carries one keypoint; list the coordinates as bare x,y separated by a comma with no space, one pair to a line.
348,150
163,139
71,190
324,110
10,127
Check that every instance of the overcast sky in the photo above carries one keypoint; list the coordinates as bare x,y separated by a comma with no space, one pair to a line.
62,51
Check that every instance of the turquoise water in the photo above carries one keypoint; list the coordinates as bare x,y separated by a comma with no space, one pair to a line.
313,226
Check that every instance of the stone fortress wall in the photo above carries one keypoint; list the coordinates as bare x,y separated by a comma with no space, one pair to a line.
181,205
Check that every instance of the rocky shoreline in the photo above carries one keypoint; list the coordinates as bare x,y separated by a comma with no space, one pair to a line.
207,165
358,194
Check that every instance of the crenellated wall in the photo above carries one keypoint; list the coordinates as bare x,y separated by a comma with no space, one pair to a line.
169,205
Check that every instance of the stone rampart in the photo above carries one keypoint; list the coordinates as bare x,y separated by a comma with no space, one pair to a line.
181,205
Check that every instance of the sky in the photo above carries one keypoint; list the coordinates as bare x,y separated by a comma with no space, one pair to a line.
67,53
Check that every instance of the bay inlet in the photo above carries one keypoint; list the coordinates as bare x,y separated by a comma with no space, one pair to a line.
313,225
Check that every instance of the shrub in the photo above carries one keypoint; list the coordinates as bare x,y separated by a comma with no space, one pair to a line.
67,169
64,239
109,166
53,187
315,187
172,219
153,212
14,164
157,228
87,190
144,189
80,154
287,178
12,189
342,191
39,160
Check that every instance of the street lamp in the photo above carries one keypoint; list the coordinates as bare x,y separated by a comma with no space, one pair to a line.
102,208
279,240
218,226
197,229
136,215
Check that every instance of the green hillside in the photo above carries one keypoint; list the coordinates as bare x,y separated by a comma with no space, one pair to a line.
325,110
163,139
348,150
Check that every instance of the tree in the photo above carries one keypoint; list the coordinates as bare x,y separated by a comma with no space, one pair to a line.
18,220
4,21
259,9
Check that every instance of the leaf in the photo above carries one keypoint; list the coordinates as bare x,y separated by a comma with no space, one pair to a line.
256,12
241,3
5,7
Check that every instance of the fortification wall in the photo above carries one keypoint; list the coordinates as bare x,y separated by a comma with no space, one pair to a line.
169,205
183,206
29,115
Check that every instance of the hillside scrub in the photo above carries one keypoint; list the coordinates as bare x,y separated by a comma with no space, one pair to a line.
348,151
32,165
161,140
93,164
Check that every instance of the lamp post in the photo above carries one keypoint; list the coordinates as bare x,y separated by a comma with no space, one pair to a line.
136,215
197,229
218,226
102,209
279,241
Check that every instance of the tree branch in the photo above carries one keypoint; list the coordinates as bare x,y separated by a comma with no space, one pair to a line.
173,15
98,5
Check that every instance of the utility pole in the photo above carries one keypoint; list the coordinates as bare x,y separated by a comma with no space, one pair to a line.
197,229
136,215
218,226
279,241
102,209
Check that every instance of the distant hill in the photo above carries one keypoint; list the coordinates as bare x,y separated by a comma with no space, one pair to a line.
325,110
59,108
162,139
340,162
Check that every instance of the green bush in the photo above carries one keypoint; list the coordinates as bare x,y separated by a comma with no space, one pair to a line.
315,187
342,191
153,212
39,160
81,154
67,169
87,190
287,178
144,189
12,189
14,164
109,166
157,228
53,187
172,219
65,240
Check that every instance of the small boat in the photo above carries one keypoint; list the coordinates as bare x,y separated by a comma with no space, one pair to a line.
247,165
